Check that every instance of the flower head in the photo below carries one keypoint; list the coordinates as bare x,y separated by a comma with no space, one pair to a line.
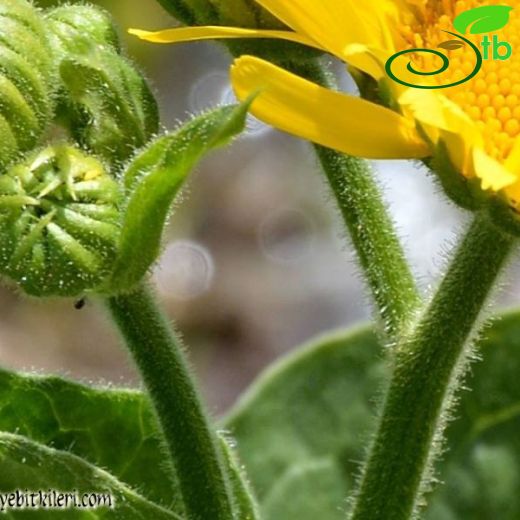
477,123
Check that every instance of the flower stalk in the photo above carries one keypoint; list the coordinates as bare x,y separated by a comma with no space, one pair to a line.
371,229
428,366
191,442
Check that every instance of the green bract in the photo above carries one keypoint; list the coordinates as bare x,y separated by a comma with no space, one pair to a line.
85,214
468,193
154,178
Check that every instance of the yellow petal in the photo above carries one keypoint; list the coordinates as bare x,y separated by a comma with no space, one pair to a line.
436,110
513,165
494,176
513,160
443,120
513,194
372,61
342,122
189,34
335,24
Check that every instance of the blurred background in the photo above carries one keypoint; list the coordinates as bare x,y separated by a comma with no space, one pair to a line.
255,260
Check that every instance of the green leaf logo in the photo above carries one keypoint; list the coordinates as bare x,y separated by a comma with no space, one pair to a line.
483,19
451,45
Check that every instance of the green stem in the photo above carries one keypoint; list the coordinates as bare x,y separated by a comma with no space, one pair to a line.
191,442
372,232
428,364
370,226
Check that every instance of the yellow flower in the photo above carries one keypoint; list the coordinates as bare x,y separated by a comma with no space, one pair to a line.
478,122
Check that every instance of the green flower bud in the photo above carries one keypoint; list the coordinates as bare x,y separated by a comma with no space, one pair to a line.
59,222
74,28
240,13
26,79
111,109
105,103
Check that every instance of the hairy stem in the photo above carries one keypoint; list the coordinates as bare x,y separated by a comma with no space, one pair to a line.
371,230
192,444
380,254
428,363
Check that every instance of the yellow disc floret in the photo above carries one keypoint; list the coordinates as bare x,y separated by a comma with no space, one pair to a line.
492,98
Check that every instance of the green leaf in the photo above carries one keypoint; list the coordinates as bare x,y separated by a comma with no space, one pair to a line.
25,464
484,19
112,429
246,506
154,178
301,428
319,482
481,467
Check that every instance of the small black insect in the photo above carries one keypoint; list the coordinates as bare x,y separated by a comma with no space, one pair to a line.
80,304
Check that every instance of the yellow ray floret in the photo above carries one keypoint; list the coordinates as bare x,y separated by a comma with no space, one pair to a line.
190,34
346,123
